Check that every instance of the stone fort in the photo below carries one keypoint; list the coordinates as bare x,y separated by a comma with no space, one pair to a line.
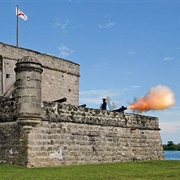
37,129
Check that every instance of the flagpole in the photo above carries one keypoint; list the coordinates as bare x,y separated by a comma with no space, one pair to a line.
16,25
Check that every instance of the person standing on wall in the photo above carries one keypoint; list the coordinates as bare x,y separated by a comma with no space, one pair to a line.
104,104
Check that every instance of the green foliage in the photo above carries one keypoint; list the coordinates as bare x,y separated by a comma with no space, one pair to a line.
170,143
165,169
171,146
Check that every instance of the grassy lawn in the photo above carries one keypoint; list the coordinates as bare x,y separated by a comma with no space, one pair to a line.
160,170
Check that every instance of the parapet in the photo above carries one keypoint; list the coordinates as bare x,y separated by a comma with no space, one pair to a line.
59,112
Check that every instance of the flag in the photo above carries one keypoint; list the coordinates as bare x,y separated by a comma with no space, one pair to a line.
20,14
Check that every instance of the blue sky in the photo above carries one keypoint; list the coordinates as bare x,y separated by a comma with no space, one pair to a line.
124,47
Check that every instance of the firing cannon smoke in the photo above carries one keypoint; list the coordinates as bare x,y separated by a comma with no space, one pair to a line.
111,104
158,98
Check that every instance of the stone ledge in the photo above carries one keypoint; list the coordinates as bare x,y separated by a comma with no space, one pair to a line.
59,112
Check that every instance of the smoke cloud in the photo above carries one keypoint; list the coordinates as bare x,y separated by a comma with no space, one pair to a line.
111,104
158,98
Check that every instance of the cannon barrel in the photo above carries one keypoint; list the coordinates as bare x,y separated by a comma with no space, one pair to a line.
121,109
61,100
83,105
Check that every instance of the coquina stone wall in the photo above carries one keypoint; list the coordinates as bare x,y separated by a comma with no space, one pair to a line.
69,135
60,77
36,133
73,135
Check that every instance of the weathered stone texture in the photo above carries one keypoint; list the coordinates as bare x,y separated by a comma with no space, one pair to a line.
69,113
13,144
7,74
61,85
28,86
7,110
74,135
92,137
59,79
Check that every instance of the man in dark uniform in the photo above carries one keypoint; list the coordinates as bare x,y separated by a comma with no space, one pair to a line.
104,104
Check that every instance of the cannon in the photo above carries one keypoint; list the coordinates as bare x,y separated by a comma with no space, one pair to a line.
83,105
121,109
61,100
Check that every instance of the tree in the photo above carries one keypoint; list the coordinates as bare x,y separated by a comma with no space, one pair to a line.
170,143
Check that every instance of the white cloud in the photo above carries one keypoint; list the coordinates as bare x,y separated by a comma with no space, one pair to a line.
169,127
90,100
168,58
176,107
111,92
107,25
65,51
62,26
173,112
95,96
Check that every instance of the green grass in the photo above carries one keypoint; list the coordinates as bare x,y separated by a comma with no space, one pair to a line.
160,170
